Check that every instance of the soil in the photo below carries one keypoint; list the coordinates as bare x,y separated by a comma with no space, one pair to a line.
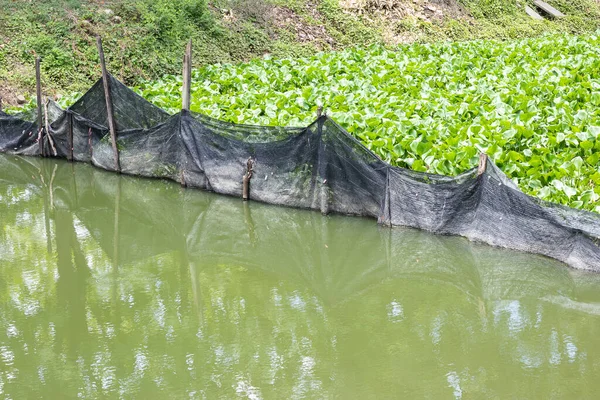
399,9
392,12
9,93
7,96
285,18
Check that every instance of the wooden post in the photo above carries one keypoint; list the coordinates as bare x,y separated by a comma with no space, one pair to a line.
0,104
245,187
187,77
246,179
109,109
70,136
38,84
482,163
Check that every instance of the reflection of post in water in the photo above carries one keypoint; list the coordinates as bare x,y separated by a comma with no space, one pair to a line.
482,310
184,267
71,285
196,292
46,213
116,226
115,258
51,186
74,187
250,224
195,232
48,196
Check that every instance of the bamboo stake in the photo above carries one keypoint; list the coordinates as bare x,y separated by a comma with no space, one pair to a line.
185,89
187,77
52,146
184,86
109,109
183,81
38,84
47,125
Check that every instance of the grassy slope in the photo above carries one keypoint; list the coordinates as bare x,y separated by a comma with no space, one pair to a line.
144,38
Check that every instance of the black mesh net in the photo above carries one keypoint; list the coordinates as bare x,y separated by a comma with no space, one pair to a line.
18,135
319,167
130,110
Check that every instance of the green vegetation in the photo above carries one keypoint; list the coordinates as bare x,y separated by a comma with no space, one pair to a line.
532,105
144,39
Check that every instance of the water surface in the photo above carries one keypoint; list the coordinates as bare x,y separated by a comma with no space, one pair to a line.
119,287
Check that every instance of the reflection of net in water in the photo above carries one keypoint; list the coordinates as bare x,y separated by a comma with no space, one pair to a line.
248,278
319,167
337,258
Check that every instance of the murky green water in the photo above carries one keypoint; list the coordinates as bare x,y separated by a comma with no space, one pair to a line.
118,287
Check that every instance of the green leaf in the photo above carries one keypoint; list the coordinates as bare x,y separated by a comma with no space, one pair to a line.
450,156
587,145
569,191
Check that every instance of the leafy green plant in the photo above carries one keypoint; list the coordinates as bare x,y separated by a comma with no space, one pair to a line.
532,105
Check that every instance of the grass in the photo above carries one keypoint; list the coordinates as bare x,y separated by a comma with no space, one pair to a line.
144,39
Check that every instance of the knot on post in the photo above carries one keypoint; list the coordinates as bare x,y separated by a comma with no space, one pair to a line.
246,179
482,164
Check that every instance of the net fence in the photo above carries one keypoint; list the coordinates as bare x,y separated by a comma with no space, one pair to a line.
319,167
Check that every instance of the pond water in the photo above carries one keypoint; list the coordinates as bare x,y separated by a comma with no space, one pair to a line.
119,287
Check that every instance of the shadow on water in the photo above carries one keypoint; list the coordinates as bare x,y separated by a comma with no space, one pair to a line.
118,286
